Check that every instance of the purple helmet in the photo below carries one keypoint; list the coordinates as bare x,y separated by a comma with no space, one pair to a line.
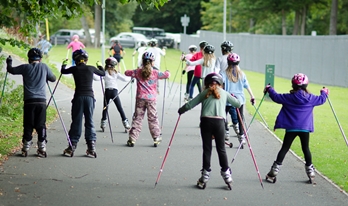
300,80
148,56
233,59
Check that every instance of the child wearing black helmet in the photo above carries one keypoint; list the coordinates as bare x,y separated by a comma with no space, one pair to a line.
83,102
296,117
189,70
213,116
111,91
35,75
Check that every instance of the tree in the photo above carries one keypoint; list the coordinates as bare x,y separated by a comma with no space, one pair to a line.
25,15
333,17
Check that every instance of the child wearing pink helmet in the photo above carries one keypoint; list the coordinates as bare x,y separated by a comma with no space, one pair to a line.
75,44
296,117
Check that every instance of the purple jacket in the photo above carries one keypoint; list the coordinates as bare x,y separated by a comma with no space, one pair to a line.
297,109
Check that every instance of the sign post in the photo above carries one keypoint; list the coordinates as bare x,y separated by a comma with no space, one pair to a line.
269,76
185,20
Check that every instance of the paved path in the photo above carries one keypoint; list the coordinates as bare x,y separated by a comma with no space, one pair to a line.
126,176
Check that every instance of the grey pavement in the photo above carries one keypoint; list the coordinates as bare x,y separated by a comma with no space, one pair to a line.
121,175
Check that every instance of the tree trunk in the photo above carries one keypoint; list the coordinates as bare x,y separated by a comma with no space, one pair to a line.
333,17
303,22
296,23
87,40
252,25
97,24
283,22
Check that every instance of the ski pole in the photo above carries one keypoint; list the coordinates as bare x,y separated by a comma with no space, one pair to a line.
60,117
339,125
257,110
165,156
124,65
67,54
261,117
240,145
251,151
170,90
3,88
164,100
107,113
54,90
119,93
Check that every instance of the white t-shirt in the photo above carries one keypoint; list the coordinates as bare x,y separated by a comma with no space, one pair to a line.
141,51
157,52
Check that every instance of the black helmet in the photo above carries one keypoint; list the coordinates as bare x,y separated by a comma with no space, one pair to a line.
34,54
148,56
227,46
79,55
212,77
209,49
202,44
110,62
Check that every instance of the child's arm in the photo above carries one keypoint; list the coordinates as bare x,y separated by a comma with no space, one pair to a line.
194,102
163,75
123,77
194,63
233,100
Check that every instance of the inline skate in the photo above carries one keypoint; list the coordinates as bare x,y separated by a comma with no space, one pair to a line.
70,150
227,176
41,148
26,147
310,173
130,143
272,174
103,125
91,149
241,138
157,141
202,181
126,125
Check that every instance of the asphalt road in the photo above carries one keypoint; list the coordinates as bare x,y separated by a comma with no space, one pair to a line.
121,175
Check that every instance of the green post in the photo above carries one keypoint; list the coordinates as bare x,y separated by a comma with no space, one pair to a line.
269,76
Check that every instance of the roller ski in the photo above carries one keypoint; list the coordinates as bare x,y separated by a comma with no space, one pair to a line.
41,148
272,174
310,173
157,141
70,150
130,143
26,147
91,149
241,139
202,181
126,125
227,176
103,125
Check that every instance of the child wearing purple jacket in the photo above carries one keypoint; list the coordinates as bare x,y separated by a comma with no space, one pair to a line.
296,117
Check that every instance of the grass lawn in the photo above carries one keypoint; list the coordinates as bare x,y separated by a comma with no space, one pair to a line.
329,151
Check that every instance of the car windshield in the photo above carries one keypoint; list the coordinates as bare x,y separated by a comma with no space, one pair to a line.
159,33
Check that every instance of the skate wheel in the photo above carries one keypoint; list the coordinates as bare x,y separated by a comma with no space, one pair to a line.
102,129
25,154
45,155
271,179
242,147
310,181
95,155
72,154
231,145
201,185
229,186
155,144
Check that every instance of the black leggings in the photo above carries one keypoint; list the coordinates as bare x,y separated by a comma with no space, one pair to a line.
213,127
189,80
288,139
110,94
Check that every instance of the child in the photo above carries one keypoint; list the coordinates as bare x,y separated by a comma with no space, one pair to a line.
213,116
189,70
235,81
157,52
140,51
197,74
117,52
296,117
44,46
207,62
111,91
83,102
35,75
75,44
221,64
147,78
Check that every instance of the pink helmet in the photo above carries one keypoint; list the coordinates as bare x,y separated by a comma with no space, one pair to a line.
233,59
75,37
300,79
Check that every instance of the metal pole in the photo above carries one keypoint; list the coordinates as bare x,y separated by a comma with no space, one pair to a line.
103,31
224,21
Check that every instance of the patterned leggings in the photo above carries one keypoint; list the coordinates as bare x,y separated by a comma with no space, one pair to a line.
141,105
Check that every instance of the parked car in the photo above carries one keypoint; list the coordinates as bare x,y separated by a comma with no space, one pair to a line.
64,36
128,39
92,33
157,33
176,37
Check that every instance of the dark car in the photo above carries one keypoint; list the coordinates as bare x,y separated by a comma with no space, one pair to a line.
157,33
64,36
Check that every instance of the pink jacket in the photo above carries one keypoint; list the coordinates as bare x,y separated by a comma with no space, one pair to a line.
147,89
75,45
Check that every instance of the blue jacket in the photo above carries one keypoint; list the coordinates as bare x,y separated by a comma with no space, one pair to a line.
297,110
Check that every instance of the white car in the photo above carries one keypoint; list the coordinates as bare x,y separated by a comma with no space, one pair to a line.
176,37
129,39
